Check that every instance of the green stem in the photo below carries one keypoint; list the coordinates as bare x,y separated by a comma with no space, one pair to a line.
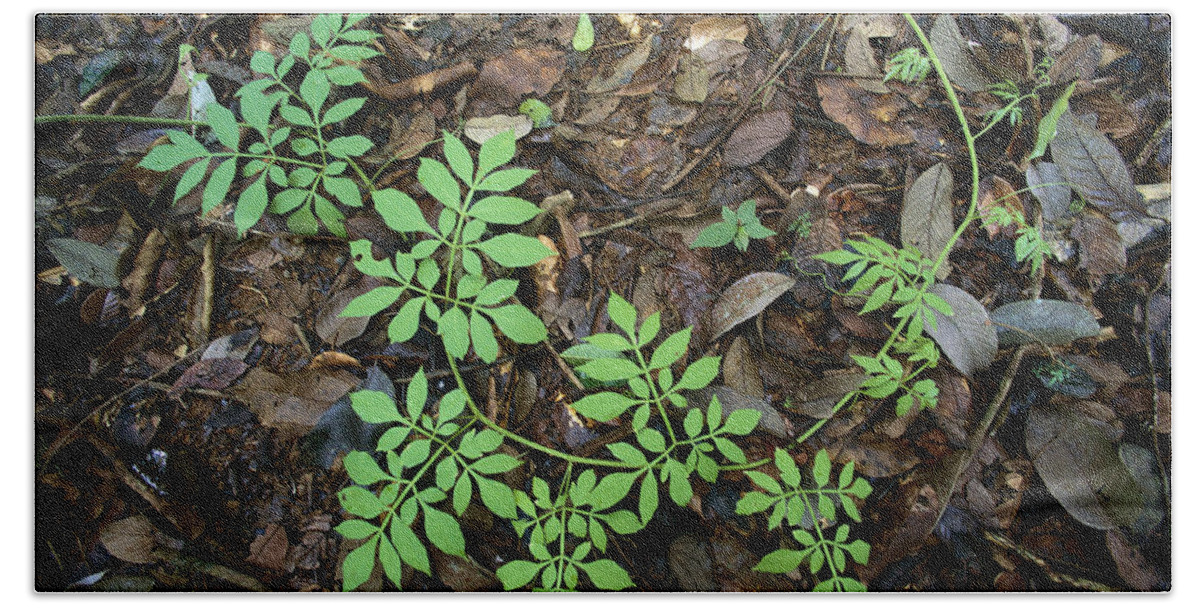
529,443
117,118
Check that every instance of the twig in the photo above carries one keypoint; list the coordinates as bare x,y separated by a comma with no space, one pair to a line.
775,186
637,219
1079,583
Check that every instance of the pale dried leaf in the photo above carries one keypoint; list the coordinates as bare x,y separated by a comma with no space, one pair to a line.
756,136
955,54
967,338
747,297
740,371
131,539
870,118
927,221
717,27
480,130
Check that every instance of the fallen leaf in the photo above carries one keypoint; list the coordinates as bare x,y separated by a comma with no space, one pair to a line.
689,561
691,79
927,218
1051,322
212,374
131,539
877,455
270,549
292,402
954,52
335,329
624,69
716,27
1048,186
995,191
1094,167
747,297
1078,61
870,118
1077,459
88,262
967,338
740,371
1132,565
756,136
1101,250
816,399
510,77
732,400
480,130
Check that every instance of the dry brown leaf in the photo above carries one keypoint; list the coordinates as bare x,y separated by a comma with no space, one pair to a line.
212,374
747,297
717,27
872,119
510,77
270,549
1101,250
293,402
740,371
996,191
337,330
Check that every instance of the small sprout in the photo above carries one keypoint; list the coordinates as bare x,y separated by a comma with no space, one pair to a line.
736,227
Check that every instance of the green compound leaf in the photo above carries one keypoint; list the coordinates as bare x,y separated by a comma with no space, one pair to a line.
497,497
370,303
410,547
250,205
780,561
362,468
700,374
404,325
374,407
482,337
360,501
346,147
417,393
518,323
515,250
505,180
605,406
443,531
821,469
607,574
459,157
390,560
440,184
508,210
627,453
224,125
496,151
671,350
455,332
517,573
344,190
356,529
314,89
647,498
358,565
623,314
496,292
343,110
190,179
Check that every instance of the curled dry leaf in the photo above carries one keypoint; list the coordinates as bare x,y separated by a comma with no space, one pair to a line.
747,297
756,136
967,338
927,221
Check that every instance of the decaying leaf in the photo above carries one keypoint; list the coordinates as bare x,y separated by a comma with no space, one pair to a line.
954,51
756,136
1131,564
740,371
212,374
89,262
691,79
967,338
1049,187
1047,321
716,27
1076,457
747,297
131,539
624,69
1094,167
293,402
818,398
927,218
512,76
860,61
870,118
1078,61
1101,250
995,191
270,549
482,129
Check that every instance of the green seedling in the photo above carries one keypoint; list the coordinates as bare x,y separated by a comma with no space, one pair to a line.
736,227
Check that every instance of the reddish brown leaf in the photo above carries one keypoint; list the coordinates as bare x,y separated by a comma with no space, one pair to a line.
1101,250
510,77
212,374
270,549
872,119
